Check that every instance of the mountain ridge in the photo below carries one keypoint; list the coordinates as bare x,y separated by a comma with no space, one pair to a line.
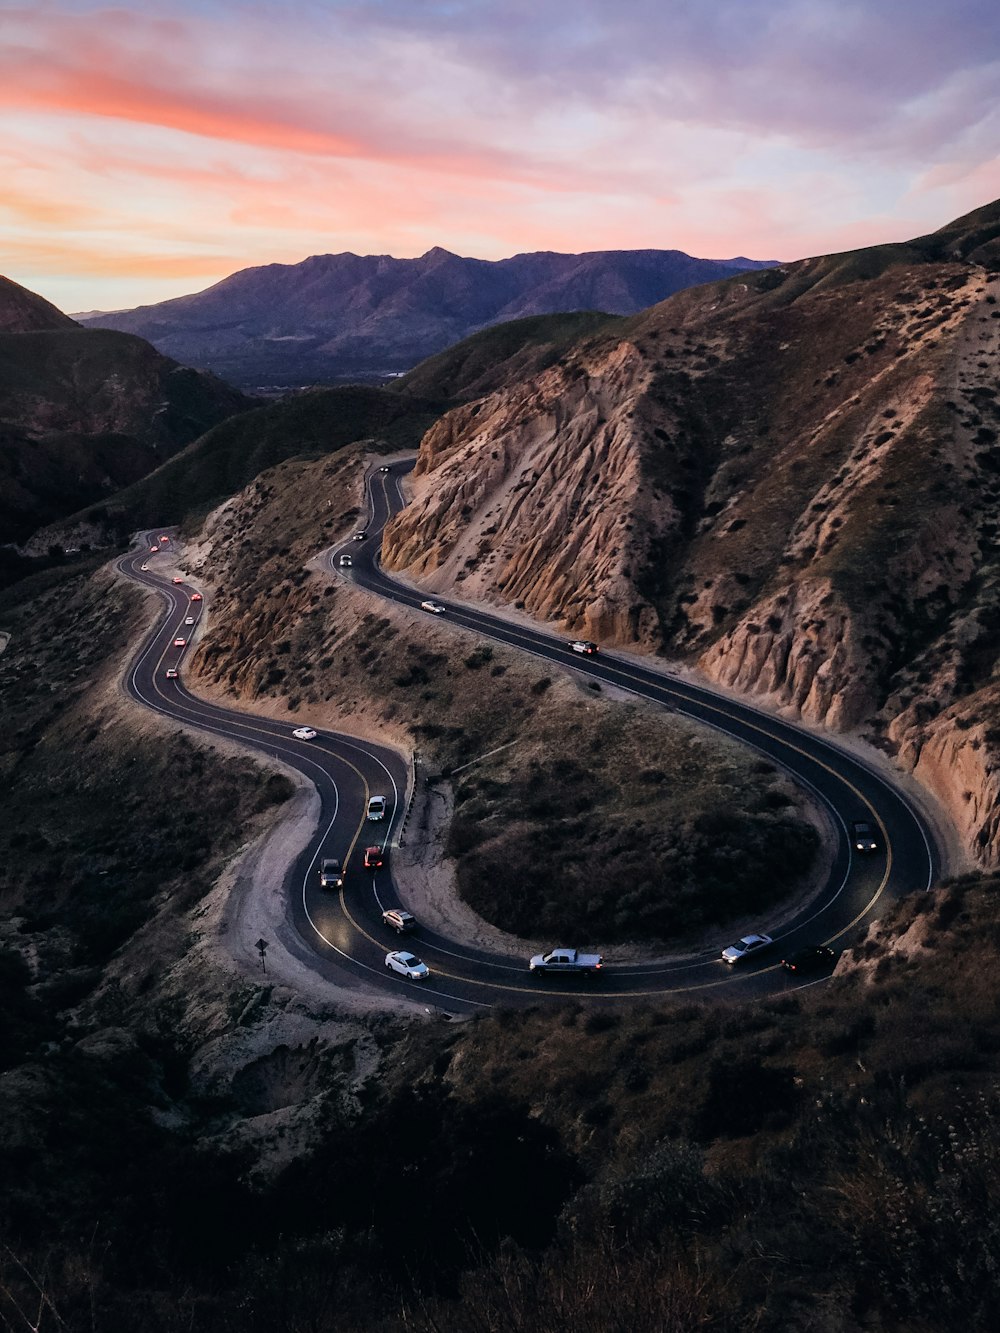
331,316
24,311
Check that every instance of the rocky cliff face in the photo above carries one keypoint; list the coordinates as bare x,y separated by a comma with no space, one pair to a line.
790,478
534,497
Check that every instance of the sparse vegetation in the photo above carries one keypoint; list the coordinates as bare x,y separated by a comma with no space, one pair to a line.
560,829
229,457
602,846
658,1168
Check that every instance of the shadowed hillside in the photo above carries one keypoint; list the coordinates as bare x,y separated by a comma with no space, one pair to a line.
501,355
22,311
225,459
84,412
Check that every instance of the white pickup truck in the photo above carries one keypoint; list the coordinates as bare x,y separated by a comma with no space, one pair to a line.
565,960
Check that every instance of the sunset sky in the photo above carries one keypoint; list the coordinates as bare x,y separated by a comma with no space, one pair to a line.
148,150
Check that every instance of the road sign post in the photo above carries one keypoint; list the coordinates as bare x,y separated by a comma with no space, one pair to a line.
261,947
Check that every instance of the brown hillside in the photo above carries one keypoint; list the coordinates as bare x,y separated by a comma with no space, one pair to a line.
789,477
84,412
22,311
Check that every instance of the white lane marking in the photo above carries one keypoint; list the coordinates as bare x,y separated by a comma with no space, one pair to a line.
275,741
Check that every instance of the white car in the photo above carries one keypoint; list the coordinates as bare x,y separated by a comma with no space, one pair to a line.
345,562
745,948
189,620
407,965
304,734
376,807
171,673
435,608
584,646
180,643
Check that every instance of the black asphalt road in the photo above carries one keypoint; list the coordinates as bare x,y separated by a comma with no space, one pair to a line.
345,932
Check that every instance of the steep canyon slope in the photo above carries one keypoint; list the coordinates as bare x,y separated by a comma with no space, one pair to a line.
789,478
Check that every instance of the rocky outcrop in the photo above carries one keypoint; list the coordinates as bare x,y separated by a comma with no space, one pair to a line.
536,499
956,756
801,651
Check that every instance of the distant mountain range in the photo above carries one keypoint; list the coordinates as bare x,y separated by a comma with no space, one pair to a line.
334,317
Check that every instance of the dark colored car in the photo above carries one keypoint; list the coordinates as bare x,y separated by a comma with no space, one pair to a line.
373,858
815,958
863,836
331,875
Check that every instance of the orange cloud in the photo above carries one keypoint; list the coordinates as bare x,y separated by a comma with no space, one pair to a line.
38,211
68,256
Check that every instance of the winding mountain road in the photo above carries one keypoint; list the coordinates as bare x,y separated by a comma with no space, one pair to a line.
345,933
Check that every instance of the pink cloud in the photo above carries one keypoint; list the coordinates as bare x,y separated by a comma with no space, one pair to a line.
775,128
